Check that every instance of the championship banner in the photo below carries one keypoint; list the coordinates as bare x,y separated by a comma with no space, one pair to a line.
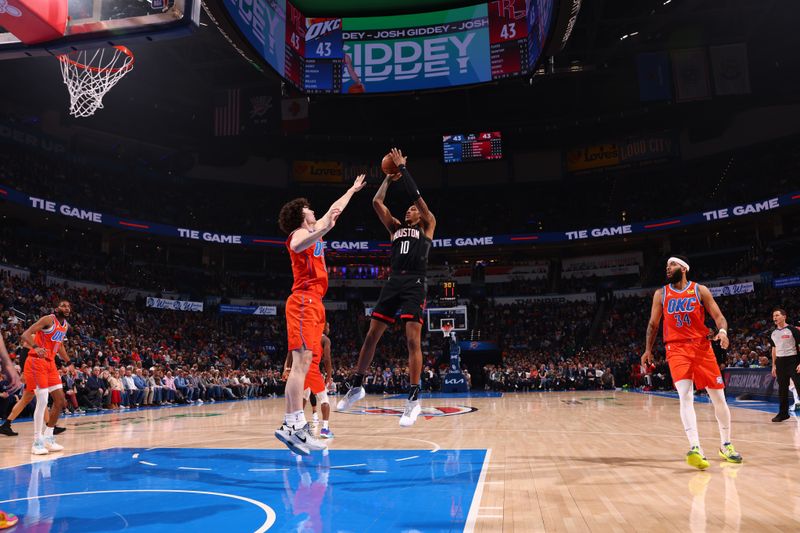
260,310
627,153
174,305
317,171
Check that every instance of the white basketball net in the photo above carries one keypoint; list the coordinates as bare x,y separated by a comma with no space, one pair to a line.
90,74
446,329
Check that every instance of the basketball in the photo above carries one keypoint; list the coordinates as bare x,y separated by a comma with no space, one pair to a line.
388,166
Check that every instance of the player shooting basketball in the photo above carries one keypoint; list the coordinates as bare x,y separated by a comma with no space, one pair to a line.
691,360
404,291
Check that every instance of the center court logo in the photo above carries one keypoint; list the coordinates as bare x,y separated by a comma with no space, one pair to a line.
10,10
427,412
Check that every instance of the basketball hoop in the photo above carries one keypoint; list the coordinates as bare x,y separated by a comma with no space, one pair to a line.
446,329
90,74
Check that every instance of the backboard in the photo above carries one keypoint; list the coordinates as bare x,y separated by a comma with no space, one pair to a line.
105,23
455,316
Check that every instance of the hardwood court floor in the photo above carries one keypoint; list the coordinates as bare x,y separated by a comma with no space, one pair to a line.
583,461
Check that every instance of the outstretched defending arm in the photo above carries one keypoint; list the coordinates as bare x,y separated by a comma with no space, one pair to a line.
652,328
413,191
303,239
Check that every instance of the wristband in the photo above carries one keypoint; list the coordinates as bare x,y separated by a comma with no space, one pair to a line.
721,331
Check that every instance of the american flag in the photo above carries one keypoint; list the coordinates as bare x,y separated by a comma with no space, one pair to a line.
226,113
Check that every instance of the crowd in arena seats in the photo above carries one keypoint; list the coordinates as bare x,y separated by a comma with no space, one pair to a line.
125,355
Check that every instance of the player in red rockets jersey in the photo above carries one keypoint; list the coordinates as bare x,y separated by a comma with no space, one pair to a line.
691,360
305,313
46,339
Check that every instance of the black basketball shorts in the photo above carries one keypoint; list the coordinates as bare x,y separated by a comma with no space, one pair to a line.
405,293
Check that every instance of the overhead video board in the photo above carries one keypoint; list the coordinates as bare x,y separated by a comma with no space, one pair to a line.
461,46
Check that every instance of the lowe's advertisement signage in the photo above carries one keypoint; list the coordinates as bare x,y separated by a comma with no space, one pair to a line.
94,216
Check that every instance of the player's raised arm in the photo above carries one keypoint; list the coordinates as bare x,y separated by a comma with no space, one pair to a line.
339,205
27,336
303,238
652,328
713,309
385,216
413,191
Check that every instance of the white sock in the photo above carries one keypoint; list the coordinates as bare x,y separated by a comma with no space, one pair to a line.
723,414
38,413
794,393
48,431
688,417
324,424
296,419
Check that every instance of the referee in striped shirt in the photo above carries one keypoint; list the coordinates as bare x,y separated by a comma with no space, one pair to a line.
785,362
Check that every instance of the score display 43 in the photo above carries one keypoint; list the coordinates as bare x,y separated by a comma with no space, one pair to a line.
465,45
472,147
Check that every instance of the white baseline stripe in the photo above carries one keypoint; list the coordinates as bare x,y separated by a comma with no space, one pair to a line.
472,517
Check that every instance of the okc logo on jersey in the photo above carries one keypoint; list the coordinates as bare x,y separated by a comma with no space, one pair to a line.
58,336
319,248
681,305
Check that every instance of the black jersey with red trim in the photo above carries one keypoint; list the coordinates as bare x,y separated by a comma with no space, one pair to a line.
410,248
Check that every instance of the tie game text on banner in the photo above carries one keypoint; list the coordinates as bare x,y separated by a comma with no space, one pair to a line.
97,217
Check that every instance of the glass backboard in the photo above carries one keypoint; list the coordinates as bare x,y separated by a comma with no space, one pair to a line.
100,23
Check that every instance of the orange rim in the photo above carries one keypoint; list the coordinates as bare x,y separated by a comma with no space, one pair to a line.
64,58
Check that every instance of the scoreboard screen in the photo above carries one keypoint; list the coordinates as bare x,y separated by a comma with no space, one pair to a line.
472,147
466,45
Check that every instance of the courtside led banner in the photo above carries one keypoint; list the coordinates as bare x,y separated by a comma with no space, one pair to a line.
472,241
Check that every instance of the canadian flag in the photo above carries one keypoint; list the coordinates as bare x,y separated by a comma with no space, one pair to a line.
294,114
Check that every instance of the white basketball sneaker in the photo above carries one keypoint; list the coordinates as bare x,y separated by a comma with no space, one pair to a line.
51,445
38,447
410,414
352,396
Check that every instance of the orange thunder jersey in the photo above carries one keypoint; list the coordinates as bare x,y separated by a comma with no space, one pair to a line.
684,314
308,268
